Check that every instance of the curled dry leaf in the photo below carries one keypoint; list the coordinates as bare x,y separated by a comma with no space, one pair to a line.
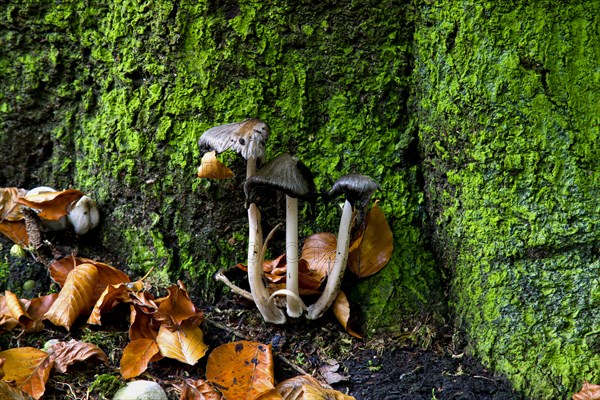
15,231
28,368
341,309
319,251
18,310
52,206
136,356
589,391
75,298
34,309
112,296
371,251
212,168
10,209
8,392
142,325
305,387
66,354
185,343
177,307
241,370
198,390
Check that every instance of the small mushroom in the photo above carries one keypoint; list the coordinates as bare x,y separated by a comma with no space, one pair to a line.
358,190
248,139
84,215
289,175
47,225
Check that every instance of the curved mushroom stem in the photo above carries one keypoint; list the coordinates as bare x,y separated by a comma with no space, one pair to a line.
294,307
270,313
334,280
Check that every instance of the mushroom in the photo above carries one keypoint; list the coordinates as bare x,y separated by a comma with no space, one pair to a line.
84,215
47,225
248,139
358,190
289,175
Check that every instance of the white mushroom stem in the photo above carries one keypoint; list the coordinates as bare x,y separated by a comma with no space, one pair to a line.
260,294
294,307
334,280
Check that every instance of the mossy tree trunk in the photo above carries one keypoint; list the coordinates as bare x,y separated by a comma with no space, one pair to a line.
507,95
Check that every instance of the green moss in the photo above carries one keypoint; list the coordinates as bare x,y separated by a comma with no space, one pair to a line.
507,117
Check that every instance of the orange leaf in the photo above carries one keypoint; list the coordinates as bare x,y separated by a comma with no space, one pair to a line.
110,298
341,309
15,231
17,310
29,368
52,206
142,325
305,387
198,390
177,307
136,356
40,305
75,298
66,354
8,392
212,168
319,251
10,210
185,343
376,245
241,370
588,392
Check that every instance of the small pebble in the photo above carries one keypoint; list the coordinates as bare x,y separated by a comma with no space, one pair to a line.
29,285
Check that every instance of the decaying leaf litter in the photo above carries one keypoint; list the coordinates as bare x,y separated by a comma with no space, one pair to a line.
162,327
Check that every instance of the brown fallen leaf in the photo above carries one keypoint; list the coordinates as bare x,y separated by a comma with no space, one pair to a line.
319,251
52,206
198,390
341,310
8,392
185,343
15,231
28,314
372,250
66,354
241,370
10,209
142,325
18,310
136,356
177,307
305,387
112,296
330,373
212,168
75,298
589,391
28,368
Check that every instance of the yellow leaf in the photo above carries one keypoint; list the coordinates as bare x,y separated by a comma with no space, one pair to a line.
136,356
17,310
341,309
212,168
375,246
241,370
28,368
75,298
185,343
305,387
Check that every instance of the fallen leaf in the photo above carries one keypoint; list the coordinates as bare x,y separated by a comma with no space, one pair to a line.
75,297
15,231
112,296
212,168
241,370
177,307
66,354
52,206
341,310
10,209
330,373
18,310
198,390
305,387
185,343
136,356
588,392
8,392
319,251
40,305
142,325
376,245
28,368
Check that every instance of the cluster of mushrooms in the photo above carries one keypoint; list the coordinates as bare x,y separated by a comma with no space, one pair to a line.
292,177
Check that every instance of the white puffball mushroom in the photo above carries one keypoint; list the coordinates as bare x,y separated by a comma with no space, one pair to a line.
84,216
46,225
141,390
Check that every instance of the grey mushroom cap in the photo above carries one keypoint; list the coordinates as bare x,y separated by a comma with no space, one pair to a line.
285,173
246,138
357,189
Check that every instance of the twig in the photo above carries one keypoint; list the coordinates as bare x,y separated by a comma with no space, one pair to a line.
292,365
220,276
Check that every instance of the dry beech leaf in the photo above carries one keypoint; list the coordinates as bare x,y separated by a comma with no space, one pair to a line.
341,309
589,391
17,310
142,325
275,273
376,245
185,343
177,307
15,231
305,387
28,368
112,296
198,390
66,354
75,298
212,168
241,370
319,250
8,392
10,209
40,305
52,206
136,356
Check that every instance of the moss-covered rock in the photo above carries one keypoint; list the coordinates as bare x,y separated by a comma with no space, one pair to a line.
507,95
111,98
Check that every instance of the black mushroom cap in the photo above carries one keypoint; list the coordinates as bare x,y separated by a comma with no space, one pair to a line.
285,173
357,188
246,138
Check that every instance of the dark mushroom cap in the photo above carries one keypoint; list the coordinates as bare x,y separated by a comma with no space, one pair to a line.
357,188
246,138
284,173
